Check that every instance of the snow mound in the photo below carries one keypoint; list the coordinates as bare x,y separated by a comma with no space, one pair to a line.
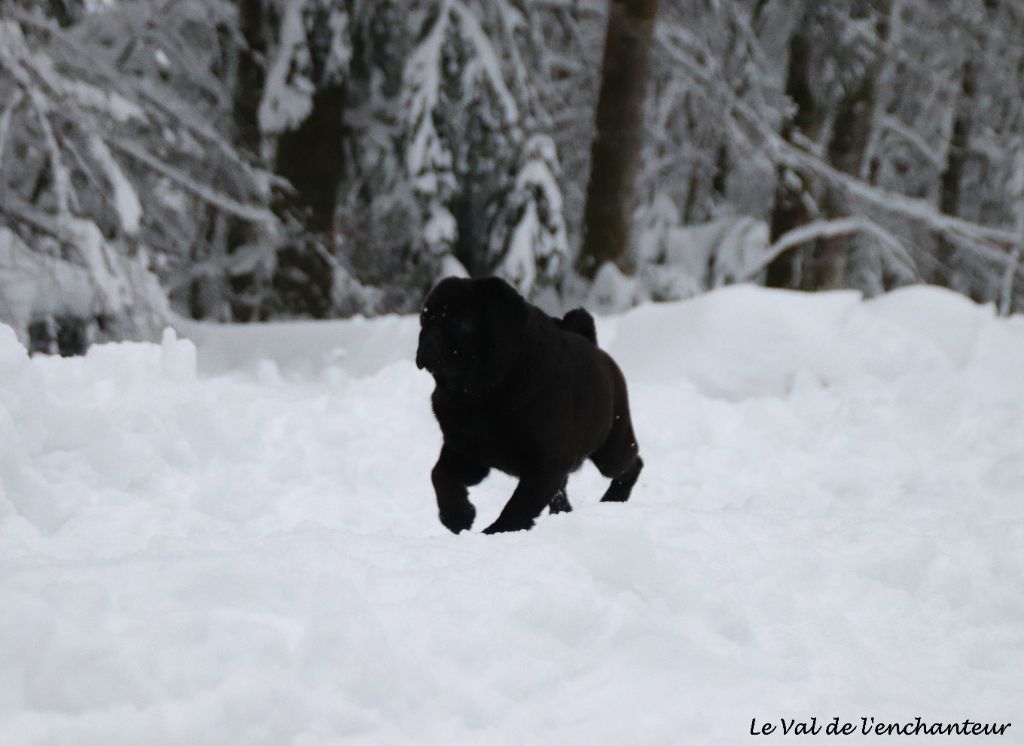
231,539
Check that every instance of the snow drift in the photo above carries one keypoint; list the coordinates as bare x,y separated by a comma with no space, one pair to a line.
830,523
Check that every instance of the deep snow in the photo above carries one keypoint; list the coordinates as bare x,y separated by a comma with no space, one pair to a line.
830,523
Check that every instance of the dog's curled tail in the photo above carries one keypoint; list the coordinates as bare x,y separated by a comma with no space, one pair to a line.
581,322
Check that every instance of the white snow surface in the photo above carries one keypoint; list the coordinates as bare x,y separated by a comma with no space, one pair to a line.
830,523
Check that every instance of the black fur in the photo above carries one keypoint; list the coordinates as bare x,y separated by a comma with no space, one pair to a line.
519,391
581,322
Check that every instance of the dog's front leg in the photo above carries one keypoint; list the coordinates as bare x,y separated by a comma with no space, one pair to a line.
532,494
451,475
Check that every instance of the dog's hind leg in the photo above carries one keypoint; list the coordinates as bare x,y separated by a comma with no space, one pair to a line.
622,485
533,493
560,502
618,459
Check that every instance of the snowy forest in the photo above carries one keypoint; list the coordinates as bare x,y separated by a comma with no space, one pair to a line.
265,159
229,473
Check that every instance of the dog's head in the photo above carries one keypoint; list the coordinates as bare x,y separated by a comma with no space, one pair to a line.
471,333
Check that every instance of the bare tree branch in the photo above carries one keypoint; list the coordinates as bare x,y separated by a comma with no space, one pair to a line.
5,118
782,152
231,206
819,229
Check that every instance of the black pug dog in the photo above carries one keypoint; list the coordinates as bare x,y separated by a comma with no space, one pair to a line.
522,392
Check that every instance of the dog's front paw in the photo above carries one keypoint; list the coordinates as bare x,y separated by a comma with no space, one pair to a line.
458,517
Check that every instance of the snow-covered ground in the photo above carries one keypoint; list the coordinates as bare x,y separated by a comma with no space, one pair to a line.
831,522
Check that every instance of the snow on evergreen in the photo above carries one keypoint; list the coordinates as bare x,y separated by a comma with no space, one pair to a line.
126,200
464,130
529,244
312,51
876,142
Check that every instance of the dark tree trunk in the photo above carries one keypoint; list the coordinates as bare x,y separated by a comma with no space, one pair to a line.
244,64
615,156
846,149
256,26
956,160
720,181
66,12
790,210
312,157
827,259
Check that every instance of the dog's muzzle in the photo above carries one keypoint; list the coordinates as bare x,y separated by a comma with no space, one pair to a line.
428,348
